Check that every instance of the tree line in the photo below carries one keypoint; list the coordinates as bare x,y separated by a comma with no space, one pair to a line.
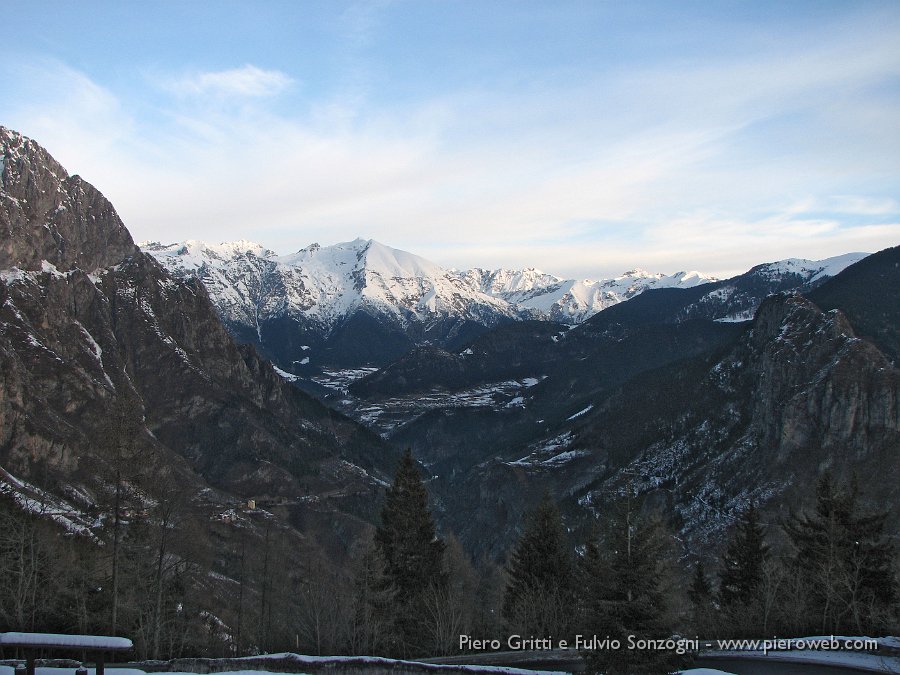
408,592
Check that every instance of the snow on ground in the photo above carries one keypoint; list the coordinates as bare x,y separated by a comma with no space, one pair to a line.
581,412
739,317
376,661
226,672
564,457
339,379
518,401
41,670
548,453
391,413
863,661
60,640
35,500
12,276
290,377
853,652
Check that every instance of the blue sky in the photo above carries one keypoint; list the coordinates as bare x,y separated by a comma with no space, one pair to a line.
582,138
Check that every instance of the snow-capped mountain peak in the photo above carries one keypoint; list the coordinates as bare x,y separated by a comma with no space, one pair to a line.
813,270
326,284
569,300
324,287
195,252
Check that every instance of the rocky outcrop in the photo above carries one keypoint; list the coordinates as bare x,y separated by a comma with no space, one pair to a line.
47,215
797,395
816,383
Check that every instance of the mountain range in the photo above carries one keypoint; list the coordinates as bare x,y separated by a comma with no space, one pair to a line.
362,303
702,395
653,397
509,383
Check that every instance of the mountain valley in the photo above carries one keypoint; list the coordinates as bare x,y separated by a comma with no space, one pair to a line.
275,393
520,401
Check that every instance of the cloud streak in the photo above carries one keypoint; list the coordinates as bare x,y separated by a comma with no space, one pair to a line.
247,81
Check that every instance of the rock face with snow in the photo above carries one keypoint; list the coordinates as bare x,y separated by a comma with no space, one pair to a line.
809,384
323,286
91,325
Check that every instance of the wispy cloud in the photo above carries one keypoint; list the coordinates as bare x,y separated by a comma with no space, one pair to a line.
247,81
713,165
861,205
80,121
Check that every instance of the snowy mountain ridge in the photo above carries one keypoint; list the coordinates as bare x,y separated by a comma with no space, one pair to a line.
573,301
814,270
324,284
361,303
248,283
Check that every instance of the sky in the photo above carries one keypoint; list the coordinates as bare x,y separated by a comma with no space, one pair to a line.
584,138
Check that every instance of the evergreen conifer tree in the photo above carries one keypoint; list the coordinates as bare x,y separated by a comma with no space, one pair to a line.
844,562
742,563
629,591
700,592
539,598
413,556
701,597
593,585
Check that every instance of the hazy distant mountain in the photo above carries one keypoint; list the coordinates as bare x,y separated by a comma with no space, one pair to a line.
544,296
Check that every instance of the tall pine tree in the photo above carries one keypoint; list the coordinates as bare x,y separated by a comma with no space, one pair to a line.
413,557
539,598
627,588
845,563
741,573
701,597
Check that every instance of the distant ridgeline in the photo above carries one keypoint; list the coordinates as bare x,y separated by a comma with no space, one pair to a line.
362,303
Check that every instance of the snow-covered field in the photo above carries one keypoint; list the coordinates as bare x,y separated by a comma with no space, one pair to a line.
388,414
9,670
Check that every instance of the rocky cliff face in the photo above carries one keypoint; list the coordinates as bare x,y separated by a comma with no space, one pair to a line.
45,214
90,324
816,383
798,394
